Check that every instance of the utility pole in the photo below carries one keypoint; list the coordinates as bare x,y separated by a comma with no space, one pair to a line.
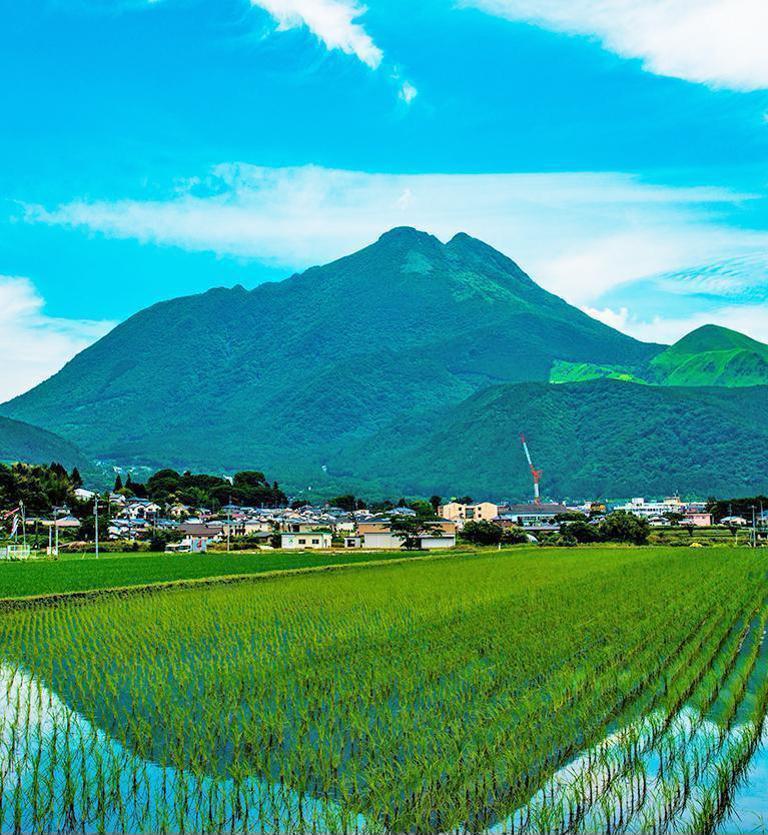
96,520
23,525
229,526
754,528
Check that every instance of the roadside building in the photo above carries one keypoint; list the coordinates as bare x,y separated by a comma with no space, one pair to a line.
734,521
377,534
699,519
461,513
532,515
200,531
306,540
639,506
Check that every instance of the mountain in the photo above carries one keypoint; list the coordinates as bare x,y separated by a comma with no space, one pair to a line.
22,442
288,375
713,356
603,438
708,356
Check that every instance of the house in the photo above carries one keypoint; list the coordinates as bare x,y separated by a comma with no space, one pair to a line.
312,539
67,522
698,519
297,525
199,531
536,516
353,541
83,495
478,512
734,521
377,534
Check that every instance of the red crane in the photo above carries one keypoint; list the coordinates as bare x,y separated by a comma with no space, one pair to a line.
534,472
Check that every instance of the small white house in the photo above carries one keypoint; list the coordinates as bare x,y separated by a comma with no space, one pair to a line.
390,541
83,495
314,540
429,541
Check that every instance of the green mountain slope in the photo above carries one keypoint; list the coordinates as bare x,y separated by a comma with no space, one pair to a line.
22,442
714,356
284,376
603,438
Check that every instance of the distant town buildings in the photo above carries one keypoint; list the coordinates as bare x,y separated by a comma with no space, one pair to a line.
197,529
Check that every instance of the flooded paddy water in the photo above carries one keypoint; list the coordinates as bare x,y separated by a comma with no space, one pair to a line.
413,703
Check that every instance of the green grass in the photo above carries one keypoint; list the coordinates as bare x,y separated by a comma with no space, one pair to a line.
416,696
76,573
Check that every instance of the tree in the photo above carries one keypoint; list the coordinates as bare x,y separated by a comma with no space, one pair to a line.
514,536
345,502
118,483
435,501
622,526
464,500
424,510
482,533
76,479
410,529
581,531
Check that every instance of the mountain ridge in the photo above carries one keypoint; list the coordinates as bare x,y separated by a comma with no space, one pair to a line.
316,377
227,377
29,444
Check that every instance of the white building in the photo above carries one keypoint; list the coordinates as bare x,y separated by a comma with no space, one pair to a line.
648,510
308,540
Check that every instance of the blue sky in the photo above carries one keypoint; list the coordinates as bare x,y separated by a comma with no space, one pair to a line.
615,148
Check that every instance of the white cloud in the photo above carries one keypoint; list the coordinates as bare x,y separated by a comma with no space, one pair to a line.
749,319
578,234
332,21
716,42
408,92
34,345
613,318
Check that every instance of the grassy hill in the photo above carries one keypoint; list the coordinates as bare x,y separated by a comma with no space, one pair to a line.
713,356
602,438
283,376
22,442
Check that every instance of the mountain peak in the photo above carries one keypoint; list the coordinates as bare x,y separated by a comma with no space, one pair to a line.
716,338
407,234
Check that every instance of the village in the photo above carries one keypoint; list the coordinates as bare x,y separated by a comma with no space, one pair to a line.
185,528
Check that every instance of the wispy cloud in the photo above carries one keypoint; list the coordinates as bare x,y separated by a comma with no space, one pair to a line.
751,319
716,42
34,345
579,234
334,22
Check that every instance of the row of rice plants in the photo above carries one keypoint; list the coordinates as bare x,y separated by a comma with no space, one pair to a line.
411,697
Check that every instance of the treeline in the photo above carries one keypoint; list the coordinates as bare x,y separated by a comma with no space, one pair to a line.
39,487
249,488
744,507
573,529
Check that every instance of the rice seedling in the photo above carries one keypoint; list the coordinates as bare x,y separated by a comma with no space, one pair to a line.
612,690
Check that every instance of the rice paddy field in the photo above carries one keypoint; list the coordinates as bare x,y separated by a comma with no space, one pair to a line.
587,690
83,573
